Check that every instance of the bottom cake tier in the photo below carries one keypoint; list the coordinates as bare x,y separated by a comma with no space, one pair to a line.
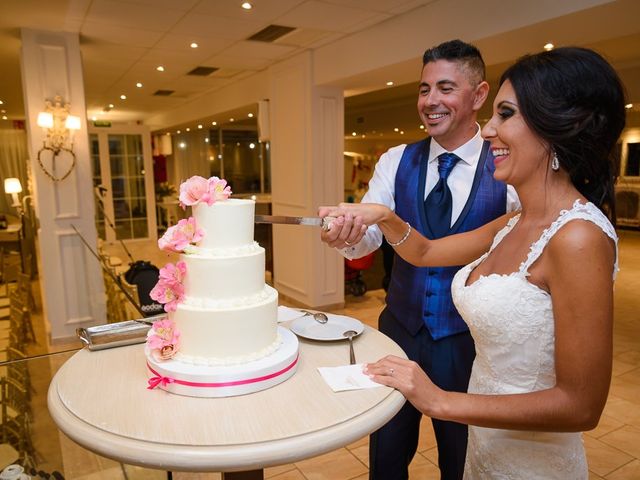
226,381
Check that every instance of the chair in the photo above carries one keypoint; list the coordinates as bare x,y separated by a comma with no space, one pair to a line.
15,427
20,314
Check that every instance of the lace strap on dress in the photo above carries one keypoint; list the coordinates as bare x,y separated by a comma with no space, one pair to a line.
587,211
503,232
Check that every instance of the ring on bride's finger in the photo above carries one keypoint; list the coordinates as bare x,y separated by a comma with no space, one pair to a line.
347,243
391,372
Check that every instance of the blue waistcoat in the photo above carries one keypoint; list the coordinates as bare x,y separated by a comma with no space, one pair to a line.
422,295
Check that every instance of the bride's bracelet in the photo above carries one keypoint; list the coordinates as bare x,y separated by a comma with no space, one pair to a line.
403,239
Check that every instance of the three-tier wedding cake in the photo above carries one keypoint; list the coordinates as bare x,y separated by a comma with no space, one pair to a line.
220,337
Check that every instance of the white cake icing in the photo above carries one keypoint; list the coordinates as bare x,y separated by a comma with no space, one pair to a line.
227,317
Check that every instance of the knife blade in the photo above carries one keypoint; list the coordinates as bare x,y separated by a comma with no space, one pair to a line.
310,221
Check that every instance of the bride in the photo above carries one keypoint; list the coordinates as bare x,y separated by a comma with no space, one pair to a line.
538,291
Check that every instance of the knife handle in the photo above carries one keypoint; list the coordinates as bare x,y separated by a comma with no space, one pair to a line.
326,222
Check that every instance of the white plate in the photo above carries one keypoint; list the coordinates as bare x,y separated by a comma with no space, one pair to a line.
336,325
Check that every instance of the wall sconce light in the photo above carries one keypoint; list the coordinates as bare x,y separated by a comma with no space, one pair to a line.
59,127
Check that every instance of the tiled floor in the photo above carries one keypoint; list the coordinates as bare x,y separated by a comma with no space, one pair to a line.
613,448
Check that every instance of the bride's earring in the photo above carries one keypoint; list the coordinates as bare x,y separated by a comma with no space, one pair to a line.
555,163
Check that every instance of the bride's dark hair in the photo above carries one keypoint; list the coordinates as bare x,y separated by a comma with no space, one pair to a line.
574,100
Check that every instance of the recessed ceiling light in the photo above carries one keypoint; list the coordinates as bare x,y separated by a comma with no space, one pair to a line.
200,126
389,84
628,106
206,140
160,68
232,119
421,127
182,145
246,5
188,129
3,111
139,85
548,46
353,134
193,45
178,132
168,133
123,97
111,105
4,117
1,102
252,145
214,123
396,129
250,115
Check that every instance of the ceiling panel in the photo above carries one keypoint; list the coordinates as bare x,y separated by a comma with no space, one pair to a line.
325,16
245,63
134,15
92,32
218,27
259,50
385,6
264,11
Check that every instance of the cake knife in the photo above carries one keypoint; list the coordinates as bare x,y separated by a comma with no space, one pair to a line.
280,219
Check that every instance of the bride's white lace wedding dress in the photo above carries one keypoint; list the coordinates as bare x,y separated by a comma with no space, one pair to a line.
511,321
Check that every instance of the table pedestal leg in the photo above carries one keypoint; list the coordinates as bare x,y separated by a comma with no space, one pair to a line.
249,475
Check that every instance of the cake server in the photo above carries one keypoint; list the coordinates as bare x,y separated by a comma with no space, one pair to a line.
312,221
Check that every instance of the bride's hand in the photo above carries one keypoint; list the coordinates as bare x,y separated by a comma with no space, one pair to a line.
367,213
407,377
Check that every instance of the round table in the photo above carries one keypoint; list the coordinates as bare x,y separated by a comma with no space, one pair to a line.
101,401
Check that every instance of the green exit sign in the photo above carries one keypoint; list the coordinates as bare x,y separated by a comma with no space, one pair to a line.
101,123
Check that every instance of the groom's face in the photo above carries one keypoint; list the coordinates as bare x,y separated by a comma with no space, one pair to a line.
448,100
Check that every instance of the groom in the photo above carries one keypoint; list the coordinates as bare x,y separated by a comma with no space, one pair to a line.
441,185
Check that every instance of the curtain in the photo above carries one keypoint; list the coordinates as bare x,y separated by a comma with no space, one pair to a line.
14,156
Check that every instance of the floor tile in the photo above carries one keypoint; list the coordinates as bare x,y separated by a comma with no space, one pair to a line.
606,425
337,465
279,470
423,469
626,439
630,471
602,458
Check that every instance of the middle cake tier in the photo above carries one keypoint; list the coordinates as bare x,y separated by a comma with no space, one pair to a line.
232,276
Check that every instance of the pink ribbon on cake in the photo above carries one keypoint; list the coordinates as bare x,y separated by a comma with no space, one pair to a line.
159,379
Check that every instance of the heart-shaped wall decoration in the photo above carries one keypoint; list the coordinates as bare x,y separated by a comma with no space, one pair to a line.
55,153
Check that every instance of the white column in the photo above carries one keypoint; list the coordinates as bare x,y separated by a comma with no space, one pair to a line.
72,289
307,143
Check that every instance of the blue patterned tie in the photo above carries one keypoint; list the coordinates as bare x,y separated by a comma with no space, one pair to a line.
438,203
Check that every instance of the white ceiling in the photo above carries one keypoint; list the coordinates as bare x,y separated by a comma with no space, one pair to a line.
123,42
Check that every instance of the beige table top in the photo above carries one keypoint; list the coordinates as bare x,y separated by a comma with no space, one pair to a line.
100,400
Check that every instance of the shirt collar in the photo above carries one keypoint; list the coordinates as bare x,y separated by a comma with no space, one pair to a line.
469,152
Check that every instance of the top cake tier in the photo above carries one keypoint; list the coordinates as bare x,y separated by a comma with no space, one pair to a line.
226,224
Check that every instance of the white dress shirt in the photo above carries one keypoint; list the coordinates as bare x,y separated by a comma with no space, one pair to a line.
382,186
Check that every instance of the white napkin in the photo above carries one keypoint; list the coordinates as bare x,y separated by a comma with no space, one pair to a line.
347,377
285,313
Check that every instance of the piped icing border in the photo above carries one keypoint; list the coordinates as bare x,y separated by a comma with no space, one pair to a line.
224,252
227,361
267,294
